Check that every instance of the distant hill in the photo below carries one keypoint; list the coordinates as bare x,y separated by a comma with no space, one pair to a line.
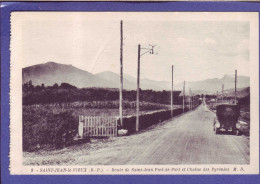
50,73
115,79
211,86
241,92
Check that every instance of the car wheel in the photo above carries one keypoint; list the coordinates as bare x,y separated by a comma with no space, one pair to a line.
238,133
234,132
216,131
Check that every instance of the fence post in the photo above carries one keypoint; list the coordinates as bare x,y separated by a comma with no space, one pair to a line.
88,124
102,123
116,128
80,128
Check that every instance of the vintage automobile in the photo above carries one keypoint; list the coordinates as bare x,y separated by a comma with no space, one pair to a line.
226,119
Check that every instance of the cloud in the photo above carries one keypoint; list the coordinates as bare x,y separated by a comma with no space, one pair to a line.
242,65
182,43
243,46
210,41
240,48
182,40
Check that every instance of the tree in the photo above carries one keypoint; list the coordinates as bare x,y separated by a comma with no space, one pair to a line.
67,86
55,86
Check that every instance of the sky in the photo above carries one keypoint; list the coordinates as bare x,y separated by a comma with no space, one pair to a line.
200,46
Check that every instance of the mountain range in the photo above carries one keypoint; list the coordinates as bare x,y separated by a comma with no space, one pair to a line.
50,73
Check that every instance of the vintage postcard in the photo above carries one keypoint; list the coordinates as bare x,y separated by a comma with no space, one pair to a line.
134,93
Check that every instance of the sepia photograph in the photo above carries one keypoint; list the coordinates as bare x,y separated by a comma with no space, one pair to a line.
134,93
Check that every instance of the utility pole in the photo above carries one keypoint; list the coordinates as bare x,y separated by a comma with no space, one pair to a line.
147,50
183,96
235,87
137,94
217,99
121,75
172,94
222,92
191,99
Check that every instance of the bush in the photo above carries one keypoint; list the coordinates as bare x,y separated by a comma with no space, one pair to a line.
46,128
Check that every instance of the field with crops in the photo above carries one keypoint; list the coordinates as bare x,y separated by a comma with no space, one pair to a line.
97,108
60,120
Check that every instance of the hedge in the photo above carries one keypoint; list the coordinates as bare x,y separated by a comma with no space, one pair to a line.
41,128
148,119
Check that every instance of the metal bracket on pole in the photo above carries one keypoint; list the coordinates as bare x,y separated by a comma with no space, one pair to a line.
151,51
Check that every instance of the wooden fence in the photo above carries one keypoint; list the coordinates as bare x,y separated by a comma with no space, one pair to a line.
94,126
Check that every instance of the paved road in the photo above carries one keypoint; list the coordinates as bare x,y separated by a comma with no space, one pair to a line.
188,139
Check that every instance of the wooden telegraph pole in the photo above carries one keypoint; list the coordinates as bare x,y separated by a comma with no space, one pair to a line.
138,84
172,94
222,92
147,50
235,87
190,99
217,99
183,96
121,75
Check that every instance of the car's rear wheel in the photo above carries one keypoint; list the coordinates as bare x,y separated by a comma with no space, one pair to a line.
216,131
234,132
238,133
